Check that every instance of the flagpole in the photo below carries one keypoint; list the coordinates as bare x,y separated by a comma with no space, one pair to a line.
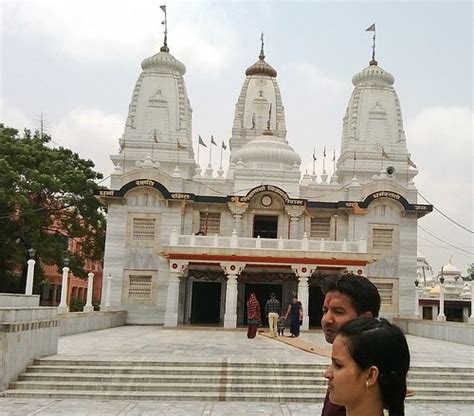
177,151
123,150
381,160
314,160
324,159
222,151
334,161
210,152
354,170
198,151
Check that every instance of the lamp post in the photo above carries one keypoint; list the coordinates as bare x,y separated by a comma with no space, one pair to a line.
63,307
30,272
417,300
471,318
441,315
90,281
109,288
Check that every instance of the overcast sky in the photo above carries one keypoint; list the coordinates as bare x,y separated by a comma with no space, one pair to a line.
77,62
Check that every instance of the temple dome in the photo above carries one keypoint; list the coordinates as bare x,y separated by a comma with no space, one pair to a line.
267,149
373,74
164,60
261,68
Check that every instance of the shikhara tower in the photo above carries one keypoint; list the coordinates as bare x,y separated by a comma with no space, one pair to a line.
187,246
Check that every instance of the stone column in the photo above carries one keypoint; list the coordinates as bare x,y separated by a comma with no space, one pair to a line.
238,209
232,270
294,212
30,276
303,272
90,280
176,271
63,307
108,292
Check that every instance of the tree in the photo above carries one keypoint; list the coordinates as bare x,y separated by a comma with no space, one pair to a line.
46,199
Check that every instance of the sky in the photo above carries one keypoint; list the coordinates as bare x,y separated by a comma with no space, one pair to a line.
74,64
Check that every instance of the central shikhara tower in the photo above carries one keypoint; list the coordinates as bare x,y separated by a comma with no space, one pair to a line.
186,245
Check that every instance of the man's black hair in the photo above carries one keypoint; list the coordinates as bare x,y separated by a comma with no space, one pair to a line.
362,292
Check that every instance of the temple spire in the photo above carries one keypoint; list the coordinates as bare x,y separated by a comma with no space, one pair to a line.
371,28
165,48
262,54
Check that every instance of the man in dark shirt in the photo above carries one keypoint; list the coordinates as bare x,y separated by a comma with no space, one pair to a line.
273,310
346,297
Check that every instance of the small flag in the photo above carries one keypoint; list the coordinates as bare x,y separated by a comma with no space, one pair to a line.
410,162
324,151
224,146
355,158
201,142
122,146
371,28
385,154
253,121
212,141
357,210
154,136
334,155
261,37
180,146
163,8
314,155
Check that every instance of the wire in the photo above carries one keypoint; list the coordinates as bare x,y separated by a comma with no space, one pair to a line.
446,216
443,241
441,247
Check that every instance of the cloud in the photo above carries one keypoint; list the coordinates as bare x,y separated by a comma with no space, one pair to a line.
91,133
118,30
12,117
312,77
441,143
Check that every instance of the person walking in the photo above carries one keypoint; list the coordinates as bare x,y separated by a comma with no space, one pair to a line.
272,311
295,310
253,315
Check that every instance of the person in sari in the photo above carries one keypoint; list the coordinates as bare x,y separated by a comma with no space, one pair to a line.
295,310
253,315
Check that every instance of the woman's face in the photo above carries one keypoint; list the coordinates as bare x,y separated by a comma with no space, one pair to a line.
346,381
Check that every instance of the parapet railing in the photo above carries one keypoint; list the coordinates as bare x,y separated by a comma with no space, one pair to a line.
304,244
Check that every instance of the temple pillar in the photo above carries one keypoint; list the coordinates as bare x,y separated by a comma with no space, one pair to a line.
303,272
175,273
232,270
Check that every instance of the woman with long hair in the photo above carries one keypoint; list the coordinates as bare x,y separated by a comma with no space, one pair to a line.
370,362
253,315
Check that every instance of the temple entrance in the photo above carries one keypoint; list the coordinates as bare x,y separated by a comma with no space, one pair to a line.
315,307
265,226
206,302
262,291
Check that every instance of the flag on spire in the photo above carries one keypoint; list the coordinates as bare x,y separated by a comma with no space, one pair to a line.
155,139
314,155
201,142
411,163
122,146
253,121
324,151
163,7
224,146
212,141
355,158
385,154
371,28
334,155
181,146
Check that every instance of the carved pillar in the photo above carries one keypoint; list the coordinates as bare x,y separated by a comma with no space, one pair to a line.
232,270
238,209
303,272
294,212
176,271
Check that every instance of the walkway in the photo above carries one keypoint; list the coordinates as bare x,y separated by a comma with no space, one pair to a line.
149,343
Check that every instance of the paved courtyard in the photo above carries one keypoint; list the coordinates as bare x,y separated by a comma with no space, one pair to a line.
151,343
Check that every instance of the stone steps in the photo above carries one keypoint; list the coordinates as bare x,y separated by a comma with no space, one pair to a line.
213,381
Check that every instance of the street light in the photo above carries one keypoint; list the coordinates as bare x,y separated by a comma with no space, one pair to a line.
63,307
30,271
417,306
441,315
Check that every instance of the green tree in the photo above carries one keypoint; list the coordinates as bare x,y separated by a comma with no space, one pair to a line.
470,271
46,199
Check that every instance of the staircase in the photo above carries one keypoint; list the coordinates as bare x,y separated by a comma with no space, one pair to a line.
213,381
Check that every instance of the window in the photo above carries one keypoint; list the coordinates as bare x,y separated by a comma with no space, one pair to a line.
382,239
320,228
210,222
143,229
139,287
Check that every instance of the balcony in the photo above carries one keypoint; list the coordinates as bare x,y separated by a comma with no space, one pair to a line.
263,245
